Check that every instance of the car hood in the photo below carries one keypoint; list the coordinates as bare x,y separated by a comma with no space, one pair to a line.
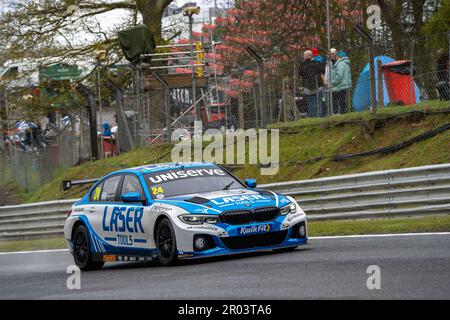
216,202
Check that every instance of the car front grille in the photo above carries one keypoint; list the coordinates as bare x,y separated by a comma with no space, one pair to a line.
238,217
255,240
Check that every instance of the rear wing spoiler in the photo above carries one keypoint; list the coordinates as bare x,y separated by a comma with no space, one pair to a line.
68,184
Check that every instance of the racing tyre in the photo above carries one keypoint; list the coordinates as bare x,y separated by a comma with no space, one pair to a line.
166,244
82,253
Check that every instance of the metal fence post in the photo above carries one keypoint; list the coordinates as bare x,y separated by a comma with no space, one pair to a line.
84,91
262,86
369,40
448,44
166,102
380,84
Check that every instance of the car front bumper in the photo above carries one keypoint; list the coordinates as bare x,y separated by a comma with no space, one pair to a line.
227,240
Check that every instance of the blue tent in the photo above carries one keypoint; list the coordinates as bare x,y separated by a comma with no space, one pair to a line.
361,93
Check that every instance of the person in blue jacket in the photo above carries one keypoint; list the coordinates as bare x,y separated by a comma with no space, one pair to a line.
341,83
106,130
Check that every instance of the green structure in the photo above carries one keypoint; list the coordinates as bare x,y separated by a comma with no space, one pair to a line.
55,85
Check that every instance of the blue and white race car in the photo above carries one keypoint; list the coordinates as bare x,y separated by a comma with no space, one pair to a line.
168,212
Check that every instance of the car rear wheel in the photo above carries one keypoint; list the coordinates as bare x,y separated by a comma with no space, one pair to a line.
166,244
82,253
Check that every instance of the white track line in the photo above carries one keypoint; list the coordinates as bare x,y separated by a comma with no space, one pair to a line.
309,238
387,235
36,251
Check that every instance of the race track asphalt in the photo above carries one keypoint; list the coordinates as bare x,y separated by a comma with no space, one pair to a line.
412,267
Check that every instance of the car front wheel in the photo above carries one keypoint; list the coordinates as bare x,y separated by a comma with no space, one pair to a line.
166,244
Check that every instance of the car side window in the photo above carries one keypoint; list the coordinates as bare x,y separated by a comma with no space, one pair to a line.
96,193
131,183
110,189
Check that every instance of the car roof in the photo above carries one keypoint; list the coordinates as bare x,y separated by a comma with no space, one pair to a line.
151,168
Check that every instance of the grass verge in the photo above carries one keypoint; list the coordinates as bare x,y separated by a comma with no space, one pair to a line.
30,245
316,228
381,226
307,141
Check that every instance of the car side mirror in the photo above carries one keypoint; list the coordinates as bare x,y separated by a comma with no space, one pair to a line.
250,183
131,197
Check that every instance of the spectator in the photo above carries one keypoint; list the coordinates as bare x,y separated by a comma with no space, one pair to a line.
311,73
317,57
106,130
341,82
333,59
443,85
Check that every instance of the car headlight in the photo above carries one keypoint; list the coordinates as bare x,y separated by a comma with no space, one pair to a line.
198,219
290,208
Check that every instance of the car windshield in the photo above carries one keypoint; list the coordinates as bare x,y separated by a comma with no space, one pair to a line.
171,183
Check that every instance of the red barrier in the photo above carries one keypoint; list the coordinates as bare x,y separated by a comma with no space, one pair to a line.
109,147
400,82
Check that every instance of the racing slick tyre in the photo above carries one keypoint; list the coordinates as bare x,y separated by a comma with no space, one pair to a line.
284,250
82,253
166,244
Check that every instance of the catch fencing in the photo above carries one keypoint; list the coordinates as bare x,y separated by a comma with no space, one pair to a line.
407,73
419,191
32,164
251,95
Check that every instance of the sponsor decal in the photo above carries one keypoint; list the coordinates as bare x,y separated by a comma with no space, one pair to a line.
184,174
109,258
160,207
293,217
201,210
157,190
134,258
97,193
124,240
202,227
123,219
255,229
241,199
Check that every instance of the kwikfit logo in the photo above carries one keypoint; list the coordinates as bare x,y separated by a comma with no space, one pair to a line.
254,229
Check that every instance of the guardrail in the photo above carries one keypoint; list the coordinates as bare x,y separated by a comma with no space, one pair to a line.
390,193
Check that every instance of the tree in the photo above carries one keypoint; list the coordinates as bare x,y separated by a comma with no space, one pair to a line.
440,22
405,19
280,30
71,29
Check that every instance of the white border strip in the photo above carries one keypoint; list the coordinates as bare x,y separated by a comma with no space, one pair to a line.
387,235
36,251
309,238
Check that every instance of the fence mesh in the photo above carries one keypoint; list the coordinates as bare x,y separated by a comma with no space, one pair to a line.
406,73
31,164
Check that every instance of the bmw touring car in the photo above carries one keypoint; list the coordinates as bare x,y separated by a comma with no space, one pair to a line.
169,212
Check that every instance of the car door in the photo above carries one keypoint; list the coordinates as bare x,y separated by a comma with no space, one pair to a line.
103,200
132,229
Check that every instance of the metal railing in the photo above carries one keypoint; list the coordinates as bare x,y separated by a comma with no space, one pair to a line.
419,191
